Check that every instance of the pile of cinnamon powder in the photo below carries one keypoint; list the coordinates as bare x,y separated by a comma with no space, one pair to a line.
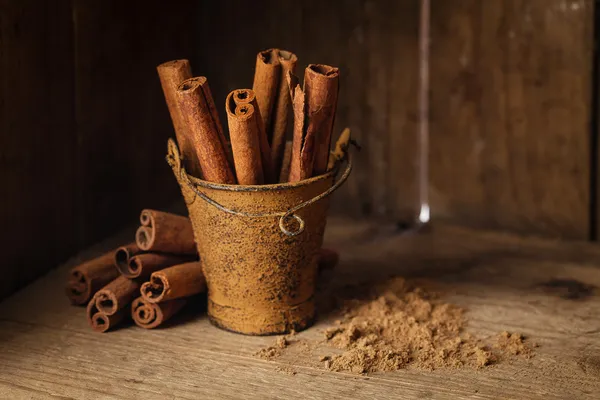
390,325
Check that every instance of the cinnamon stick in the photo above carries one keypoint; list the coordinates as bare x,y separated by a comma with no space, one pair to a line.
205,130
101,322
151,315
303,141
279,119
285,163
143,265
171,75
321,85
341,149
266,85
86,279
165,232
123,255
247,96
174,282
245,142
116,295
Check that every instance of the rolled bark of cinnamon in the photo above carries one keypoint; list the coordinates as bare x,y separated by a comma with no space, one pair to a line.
266,85
86,279
171,75
303,141
123,255
328,259
279,119
245,142
247,96
116,295
285,163
321,85
174,282
151,315
101,322
165,232
143,265
205,130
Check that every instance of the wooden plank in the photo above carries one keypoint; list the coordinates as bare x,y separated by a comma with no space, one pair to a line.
122,120
511,111
49,351
403,184
37,140
353,198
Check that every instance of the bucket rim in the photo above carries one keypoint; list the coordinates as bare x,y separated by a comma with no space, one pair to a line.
261,188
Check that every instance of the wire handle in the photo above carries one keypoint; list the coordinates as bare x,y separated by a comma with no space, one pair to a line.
173,156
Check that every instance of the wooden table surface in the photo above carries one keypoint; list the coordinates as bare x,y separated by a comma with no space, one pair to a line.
547,290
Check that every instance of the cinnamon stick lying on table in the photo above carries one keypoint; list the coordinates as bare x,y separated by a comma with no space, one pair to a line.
245,142
116,295
151,315
143,265
279,117
171,75
205,130
101,322
108,306
174,282
123,255
321,85
244,97
165,232
86,279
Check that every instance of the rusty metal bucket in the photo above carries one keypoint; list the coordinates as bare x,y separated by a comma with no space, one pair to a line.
258,246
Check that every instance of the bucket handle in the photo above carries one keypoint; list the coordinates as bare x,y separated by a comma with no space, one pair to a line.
283,216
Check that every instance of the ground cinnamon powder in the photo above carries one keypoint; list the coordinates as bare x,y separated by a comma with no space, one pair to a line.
390,325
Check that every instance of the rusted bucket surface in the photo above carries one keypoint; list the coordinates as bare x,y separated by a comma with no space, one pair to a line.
260,267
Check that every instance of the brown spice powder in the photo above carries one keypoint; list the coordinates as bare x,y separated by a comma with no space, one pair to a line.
514,344
393,324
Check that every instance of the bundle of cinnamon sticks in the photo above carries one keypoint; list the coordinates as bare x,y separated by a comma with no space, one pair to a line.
257,151
152,278
149,280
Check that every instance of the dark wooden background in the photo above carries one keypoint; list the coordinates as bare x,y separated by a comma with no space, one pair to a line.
84,125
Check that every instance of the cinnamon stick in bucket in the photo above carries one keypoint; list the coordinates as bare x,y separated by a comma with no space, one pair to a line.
172,74
205,130
280,115
266,85
245,143
248,97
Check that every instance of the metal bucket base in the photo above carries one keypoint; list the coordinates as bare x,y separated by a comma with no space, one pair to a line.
272,322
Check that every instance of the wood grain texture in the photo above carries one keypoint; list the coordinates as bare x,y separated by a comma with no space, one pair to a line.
48,350
511,111
122,119
37,139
